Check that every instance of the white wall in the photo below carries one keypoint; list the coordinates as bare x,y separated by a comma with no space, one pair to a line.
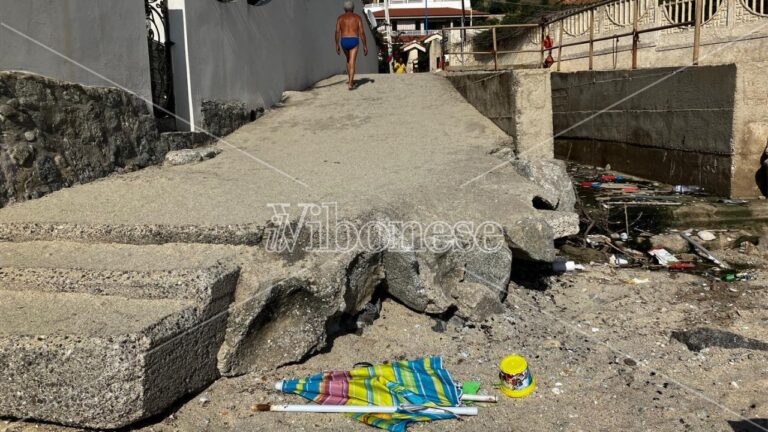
107,36
254,53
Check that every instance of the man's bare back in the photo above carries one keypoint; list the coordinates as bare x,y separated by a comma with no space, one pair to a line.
350,24
349,34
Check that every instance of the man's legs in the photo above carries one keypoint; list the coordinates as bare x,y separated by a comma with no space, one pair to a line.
351,59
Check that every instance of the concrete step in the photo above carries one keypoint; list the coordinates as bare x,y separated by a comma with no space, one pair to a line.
85,342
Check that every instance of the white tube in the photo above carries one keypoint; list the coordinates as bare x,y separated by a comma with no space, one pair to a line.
279,386
479,398
370,409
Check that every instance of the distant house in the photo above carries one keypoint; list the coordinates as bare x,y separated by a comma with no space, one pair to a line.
412,17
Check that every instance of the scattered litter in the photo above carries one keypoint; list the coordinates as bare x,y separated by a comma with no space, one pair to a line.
638,281
356,388
733,202
470,387
736,277
704,252
663,256
681,266
687,189
617,261
516,379
566,266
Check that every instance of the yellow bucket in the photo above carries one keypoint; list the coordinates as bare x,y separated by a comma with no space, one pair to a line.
516,378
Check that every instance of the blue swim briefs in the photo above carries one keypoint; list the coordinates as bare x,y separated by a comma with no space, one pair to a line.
347,43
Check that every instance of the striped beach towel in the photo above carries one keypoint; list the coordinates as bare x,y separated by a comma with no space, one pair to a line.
421,382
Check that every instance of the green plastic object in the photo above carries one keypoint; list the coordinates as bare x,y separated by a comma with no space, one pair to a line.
470,387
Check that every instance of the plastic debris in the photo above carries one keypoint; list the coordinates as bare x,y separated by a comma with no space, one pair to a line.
687,189
617,260
704,252
736,277
566,266
638,281
681,266
663,256
515,377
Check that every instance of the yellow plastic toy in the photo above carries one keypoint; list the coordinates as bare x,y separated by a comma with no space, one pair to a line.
516,378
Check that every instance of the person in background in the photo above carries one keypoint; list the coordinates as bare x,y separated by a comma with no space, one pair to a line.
349,34
399,67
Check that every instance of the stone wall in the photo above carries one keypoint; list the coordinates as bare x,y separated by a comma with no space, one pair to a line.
56,134
519,102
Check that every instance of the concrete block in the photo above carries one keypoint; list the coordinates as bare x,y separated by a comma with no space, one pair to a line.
101,362
519,102
89,344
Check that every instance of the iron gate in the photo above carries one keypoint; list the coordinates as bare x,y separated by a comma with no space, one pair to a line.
160,65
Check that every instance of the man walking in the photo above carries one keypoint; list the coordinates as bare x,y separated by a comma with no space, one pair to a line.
349,34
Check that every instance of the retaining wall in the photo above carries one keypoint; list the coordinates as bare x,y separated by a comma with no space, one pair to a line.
700,126
518,102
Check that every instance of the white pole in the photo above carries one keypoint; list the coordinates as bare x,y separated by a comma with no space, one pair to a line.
388,27
370,409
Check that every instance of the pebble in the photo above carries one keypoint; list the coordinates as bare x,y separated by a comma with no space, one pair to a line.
204,400
557,390
30,136
706,235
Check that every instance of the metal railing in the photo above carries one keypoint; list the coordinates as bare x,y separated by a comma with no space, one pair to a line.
578,22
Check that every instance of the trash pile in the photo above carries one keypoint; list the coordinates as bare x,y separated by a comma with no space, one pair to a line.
626,223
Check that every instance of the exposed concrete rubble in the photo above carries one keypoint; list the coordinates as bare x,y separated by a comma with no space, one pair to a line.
551,175
281,313
190,246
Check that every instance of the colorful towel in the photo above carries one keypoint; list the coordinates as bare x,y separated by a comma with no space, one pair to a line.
417,382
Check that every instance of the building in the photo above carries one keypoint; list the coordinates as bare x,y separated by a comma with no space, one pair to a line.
421,17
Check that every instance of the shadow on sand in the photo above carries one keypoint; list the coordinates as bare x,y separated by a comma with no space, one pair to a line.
752,425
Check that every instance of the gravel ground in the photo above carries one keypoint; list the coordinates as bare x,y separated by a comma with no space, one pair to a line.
599,347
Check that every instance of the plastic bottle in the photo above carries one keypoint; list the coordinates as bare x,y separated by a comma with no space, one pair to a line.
683,189
566,266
